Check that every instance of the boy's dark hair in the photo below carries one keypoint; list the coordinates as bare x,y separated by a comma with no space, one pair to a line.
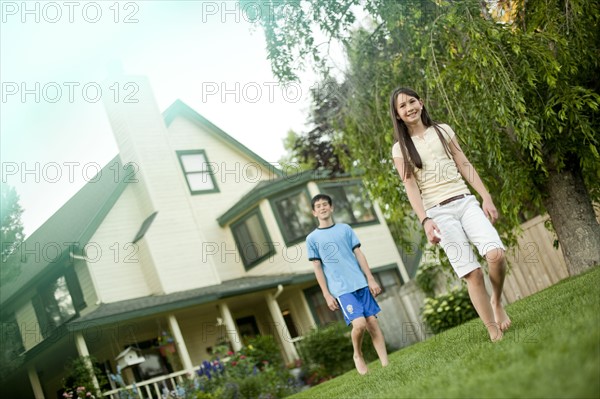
319,197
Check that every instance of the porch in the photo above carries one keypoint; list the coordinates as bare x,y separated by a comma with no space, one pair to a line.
193,331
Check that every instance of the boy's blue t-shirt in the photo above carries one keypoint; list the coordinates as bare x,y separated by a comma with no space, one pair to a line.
334,247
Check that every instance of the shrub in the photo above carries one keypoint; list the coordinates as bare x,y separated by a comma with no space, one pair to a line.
426,278
245,374
448,310
434,270
268,383
264,348
78,381
328,351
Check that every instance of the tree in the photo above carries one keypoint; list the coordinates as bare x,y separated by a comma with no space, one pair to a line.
11,232
11,236
522,94
320,148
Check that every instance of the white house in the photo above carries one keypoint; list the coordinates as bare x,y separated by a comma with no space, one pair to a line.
185,234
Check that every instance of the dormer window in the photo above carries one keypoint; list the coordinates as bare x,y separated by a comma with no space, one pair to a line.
351,202
58,301
252,239
198,171
294,215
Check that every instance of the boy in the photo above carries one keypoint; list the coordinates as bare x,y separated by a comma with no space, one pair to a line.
344,276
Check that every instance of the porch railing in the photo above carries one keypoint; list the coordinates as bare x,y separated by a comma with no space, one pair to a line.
152,388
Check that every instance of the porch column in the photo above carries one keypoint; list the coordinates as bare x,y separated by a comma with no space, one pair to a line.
281,329
309,313
232,332
36,385
82,350
184,355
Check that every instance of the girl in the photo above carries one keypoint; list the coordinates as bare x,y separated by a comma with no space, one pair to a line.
434,169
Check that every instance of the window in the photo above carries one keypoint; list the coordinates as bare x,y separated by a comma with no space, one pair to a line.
54,305
247,327
388,279
289,323
350,201
318,306
198,171
294,216
58,302
252,239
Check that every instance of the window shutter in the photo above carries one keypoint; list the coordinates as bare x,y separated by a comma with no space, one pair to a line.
75,289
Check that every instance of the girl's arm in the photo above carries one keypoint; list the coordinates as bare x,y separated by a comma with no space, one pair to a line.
414,197
468,172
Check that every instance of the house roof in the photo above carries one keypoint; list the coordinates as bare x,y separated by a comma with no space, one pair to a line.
68,230
72,226
268,188
179,108
110,313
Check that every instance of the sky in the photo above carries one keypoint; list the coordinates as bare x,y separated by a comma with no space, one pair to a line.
54,61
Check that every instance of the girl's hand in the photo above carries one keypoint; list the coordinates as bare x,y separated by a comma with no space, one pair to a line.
489,209
432,231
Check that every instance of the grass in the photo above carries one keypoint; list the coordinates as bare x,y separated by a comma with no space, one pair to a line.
552,350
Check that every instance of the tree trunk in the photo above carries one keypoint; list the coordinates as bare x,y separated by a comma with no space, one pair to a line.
574,220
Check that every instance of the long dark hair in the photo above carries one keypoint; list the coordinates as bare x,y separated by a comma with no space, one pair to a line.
410,154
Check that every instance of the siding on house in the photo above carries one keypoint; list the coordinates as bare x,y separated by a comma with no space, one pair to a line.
174,237
144,256
117,267
200,331
235,175
376,243
29,326
87,286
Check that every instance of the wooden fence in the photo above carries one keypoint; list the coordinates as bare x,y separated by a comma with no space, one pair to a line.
400,317
534,264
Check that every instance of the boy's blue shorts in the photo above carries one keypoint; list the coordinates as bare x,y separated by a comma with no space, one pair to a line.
359,303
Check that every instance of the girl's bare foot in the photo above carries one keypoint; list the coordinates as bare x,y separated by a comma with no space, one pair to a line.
501,317
495,332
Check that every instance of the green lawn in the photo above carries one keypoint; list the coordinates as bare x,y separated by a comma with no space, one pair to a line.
551,351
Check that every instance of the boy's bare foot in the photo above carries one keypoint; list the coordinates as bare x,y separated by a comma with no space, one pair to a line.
495,332
501,317
360,364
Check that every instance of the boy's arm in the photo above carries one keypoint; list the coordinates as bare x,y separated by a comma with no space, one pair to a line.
332,303
364,265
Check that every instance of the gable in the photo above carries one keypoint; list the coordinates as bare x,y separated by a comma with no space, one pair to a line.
67,231
180,109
